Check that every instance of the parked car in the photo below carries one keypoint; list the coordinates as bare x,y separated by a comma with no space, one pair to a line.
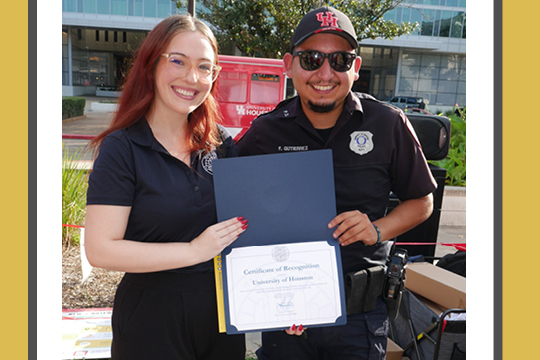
404,102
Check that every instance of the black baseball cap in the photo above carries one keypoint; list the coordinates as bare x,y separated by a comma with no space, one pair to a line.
324,19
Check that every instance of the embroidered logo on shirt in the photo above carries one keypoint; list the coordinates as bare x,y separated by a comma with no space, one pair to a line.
361,142
206,161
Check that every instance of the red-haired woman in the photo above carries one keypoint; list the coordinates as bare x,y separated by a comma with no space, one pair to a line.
151,208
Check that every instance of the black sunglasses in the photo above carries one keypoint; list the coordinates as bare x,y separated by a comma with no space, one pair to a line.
311,60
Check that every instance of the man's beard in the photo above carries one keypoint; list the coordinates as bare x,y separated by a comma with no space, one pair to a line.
321,108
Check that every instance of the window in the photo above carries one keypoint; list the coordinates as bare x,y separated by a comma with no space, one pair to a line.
69,6
90,6
164,8
428,20
149,8
232,87
106,36
119,7
102,6
138,8
446,18
390,15
416,16
457,24
97,35
264,89
116,36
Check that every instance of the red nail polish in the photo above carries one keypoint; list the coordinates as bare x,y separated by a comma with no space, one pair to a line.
240,218
244,227
300,328
293,327
244,222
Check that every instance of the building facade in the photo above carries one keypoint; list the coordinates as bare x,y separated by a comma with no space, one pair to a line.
99,38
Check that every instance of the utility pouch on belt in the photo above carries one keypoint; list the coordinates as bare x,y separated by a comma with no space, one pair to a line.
362,288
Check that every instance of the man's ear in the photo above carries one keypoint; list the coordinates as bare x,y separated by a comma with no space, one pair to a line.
287,64
357,65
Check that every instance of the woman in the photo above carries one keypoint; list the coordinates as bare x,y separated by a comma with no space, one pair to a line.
151,208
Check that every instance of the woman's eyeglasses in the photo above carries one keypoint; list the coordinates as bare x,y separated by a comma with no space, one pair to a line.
310,60
180,66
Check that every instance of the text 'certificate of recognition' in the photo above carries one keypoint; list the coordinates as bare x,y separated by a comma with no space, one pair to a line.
275,286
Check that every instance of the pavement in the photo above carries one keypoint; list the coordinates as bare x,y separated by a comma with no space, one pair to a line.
95,122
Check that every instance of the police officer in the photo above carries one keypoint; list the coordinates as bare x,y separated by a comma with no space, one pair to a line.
375,152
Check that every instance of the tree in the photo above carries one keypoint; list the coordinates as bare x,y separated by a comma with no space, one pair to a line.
265,27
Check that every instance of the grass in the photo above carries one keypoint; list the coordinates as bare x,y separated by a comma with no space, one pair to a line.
74,186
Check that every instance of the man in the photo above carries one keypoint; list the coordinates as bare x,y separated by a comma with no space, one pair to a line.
375,152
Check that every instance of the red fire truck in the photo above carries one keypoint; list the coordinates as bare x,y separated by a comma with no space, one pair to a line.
248,87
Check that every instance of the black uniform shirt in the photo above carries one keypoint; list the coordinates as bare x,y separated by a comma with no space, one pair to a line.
170,202
375,152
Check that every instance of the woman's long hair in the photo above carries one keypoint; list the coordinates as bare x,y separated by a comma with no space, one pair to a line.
139,90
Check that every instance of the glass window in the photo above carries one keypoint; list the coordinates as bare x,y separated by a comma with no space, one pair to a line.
399,10
390,15
451,2
432,2
80,6
446,99
457,24
446,18
90,6
427,85
437,23
410,71
164,8
462,3
429,73
462,88
416,16
102,6
446,86
264,89
138,8
69,5
449,74
428,19
405,15
411,58
431,60
119,7
232,87
408,84
149,8
464,35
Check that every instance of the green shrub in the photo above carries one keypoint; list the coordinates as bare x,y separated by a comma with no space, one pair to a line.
455,162
74,186
72,106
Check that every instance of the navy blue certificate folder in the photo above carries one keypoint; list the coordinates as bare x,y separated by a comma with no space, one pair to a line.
286,198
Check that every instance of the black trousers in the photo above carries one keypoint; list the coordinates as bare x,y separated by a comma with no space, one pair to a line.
170,316
364,337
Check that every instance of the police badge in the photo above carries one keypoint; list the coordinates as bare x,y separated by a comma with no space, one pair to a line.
361,142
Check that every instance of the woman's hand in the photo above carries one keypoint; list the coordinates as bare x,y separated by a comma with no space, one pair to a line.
217,237
295,330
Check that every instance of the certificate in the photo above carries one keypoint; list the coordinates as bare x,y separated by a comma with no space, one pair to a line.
275,286
285,268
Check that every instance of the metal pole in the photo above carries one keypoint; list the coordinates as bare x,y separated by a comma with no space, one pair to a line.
191,7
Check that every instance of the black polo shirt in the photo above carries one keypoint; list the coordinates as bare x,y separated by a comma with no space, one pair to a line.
375,152
170,202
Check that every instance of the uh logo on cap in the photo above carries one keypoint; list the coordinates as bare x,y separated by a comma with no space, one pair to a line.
328,20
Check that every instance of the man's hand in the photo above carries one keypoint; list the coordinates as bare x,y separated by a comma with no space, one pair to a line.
353,226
